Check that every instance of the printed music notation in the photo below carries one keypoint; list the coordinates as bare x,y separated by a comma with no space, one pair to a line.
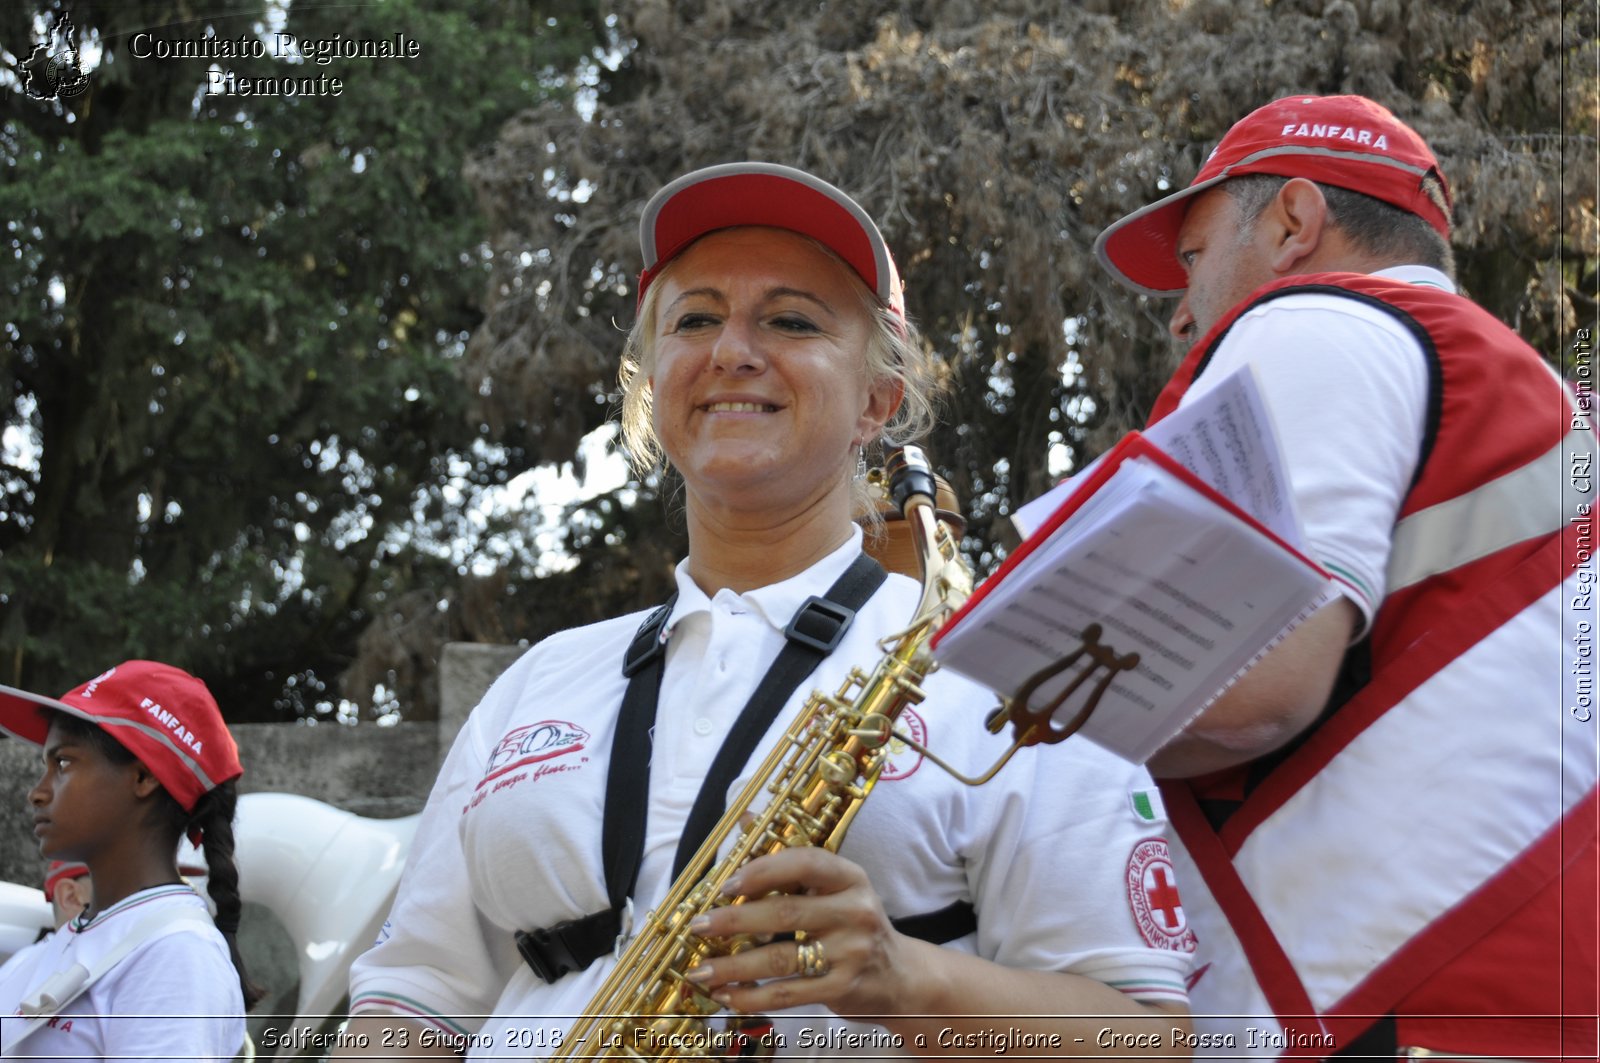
1198,583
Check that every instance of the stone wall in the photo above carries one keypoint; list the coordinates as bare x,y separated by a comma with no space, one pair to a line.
378,772
381,772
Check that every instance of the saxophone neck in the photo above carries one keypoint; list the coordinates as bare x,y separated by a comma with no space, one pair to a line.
946,579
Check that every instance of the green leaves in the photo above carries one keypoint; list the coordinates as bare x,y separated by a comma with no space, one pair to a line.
233,334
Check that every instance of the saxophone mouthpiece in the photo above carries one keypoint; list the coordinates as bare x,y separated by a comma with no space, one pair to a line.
909,473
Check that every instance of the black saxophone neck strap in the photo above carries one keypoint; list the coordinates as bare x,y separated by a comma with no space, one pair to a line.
813,633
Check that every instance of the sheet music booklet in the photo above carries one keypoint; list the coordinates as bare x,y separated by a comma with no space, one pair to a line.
1181,542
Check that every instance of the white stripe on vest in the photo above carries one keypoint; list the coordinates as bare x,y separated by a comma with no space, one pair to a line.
1224,998
1511,509
1437,833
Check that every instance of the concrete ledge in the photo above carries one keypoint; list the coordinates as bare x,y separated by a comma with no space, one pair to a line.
20,765
466,669
380,772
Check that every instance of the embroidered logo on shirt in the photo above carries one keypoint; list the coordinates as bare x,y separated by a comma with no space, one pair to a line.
532,744
1153,895
903,761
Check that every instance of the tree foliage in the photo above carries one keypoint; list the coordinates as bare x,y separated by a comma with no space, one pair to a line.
233,331
992,140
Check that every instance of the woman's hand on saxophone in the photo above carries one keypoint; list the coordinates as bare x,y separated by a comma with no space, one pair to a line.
856,959
933,997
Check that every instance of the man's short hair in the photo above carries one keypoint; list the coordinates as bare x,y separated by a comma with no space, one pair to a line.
1371,224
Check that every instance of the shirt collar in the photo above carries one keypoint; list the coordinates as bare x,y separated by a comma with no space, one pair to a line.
81,922
1426,276
776,602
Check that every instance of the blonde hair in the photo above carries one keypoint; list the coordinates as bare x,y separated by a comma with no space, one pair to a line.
895,352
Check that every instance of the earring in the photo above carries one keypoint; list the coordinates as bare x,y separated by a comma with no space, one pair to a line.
861,462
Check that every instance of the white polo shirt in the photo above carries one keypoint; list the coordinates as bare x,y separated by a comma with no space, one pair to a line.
511,836
1350,461
174,997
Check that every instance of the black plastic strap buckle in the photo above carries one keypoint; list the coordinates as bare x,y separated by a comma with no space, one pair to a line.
820,624
570,946
647,645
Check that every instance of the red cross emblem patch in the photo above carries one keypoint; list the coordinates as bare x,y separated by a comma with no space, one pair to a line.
1153,895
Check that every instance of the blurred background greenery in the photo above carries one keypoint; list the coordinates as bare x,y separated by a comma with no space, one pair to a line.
296,389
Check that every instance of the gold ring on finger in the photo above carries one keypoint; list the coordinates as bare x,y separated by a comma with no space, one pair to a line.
811,960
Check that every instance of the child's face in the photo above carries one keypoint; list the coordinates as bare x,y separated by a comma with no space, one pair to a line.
83,801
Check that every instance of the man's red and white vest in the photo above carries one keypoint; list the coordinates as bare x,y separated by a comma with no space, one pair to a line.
1419,868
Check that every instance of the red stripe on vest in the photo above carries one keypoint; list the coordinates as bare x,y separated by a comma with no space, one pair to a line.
1273,971
1500,374
1461,629
1409,614
1498,899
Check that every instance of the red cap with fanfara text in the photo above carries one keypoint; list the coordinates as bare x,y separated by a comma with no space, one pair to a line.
161,714
764,193
1348,142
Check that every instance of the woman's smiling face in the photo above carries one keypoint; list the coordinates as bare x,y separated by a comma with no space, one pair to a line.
760,394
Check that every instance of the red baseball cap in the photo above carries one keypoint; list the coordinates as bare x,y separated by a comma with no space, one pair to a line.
764,193
161,714
60,871
1346,141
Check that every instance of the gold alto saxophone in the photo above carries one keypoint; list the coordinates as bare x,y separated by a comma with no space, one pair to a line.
819,773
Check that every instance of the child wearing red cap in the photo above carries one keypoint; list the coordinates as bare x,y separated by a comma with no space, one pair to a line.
134,760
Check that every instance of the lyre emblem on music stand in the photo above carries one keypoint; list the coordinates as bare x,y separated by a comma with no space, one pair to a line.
1032,725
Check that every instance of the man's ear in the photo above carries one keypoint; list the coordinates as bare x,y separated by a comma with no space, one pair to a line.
1299,213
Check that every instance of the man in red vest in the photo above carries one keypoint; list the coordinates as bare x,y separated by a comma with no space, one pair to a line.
1387,827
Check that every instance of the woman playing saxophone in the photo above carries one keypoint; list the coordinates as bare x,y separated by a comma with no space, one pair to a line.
771,348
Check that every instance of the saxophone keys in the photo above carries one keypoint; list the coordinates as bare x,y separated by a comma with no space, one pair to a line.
873,730
838,768
806,827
